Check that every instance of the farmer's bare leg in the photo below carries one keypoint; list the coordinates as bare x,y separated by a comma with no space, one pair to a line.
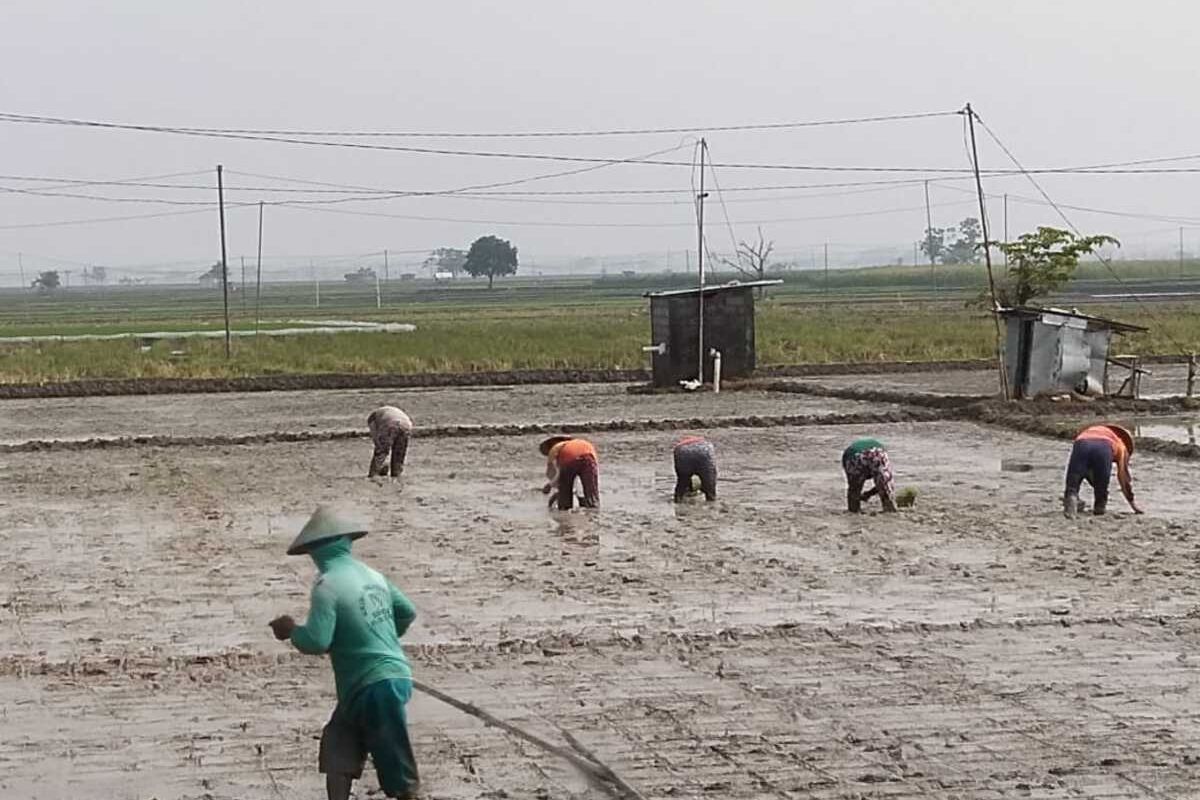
399,451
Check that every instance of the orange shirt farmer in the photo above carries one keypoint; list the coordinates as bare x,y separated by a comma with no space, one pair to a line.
568,458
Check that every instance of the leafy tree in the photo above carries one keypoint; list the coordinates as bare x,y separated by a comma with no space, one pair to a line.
491,256
361,275
446,259
213,276
964,248
1042,261
933,244
46,281
99,275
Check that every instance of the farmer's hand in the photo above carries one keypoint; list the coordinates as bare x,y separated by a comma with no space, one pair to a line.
282,627
547,488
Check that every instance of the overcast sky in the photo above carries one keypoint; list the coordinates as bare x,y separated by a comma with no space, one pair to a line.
1063,83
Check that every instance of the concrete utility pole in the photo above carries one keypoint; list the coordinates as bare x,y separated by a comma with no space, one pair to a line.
929,238
827,273
987,251
224,261
258,280
700,258
1181,252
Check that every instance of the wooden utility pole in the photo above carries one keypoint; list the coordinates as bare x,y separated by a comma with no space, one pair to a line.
987,252
700,260
258,280
224,262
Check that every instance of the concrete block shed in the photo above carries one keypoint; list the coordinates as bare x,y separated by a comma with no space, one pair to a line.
728,328
1053,350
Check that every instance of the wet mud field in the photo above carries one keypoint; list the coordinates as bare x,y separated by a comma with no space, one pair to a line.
767,645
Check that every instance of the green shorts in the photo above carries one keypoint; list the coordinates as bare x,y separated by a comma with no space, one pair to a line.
373,722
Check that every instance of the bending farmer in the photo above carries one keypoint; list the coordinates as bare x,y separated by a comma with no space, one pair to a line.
568,458
1095,450
390,428
357,617
867,460
695,455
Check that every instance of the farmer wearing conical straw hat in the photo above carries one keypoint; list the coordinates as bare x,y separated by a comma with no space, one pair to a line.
1094,452
390,430
356,616
568,458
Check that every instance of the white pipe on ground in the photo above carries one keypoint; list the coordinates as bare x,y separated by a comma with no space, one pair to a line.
716,356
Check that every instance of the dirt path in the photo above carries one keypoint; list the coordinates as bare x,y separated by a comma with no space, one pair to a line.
766,645
258,413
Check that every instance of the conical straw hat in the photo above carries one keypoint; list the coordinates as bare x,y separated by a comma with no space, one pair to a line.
549,443
1124,435
324,524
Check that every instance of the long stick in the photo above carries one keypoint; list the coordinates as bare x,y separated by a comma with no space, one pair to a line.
589,766
224,263
987,253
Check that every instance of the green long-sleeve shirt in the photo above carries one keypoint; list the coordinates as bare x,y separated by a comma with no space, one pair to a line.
356,616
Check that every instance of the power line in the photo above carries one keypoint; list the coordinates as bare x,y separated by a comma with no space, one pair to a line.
557,224
1062,214
364,134
1089,209
218,134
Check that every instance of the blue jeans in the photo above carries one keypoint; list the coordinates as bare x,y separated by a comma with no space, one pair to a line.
1091,460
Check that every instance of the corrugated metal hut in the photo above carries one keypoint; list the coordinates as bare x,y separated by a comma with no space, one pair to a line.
1052,350
728,328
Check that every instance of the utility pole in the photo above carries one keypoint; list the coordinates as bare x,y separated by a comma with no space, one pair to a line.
700,259
224,261
243,284
987,251
1181,253
1006,226
827,273
21,268
386,276
378,295
929,239
258,280
316,282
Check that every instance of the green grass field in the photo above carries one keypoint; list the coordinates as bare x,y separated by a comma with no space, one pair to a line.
892,313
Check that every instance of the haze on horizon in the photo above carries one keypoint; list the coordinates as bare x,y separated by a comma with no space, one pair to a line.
1068,83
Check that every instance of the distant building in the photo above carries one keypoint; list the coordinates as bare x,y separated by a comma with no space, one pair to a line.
443,276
